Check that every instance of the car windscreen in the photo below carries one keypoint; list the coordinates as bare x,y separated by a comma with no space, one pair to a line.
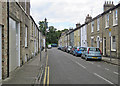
81,48
94,49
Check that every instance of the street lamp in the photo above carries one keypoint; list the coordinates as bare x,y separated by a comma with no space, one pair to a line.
110,40
45,34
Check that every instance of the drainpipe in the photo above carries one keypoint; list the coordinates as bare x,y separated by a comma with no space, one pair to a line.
7,38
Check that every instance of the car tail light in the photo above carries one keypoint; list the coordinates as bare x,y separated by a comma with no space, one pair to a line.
77,49
88,50
100,51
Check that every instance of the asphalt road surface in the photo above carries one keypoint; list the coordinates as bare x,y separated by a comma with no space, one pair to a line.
65,68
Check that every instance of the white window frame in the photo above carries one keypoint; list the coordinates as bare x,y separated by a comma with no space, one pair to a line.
26,36
112,43
107,19
92,38
98,24
92,26
98,41
115,17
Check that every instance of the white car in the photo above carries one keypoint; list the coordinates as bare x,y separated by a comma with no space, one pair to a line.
49,46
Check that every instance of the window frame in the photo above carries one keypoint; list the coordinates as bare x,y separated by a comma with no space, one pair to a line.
92,26
113,49
26,36
115,17
107,20
98,24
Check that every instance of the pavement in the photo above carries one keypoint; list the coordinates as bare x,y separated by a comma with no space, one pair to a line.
30,73
114,61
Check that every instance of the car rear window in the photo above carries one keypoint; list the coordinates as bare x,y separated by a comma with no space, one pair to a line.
94,49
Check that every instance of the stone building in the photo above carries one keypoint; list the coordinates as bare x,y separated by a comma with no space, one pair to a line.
71,36
103,30
16,36
77,35
34,38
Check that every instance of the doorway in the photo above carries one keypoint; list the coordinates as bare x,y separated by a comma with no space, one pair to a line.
14,44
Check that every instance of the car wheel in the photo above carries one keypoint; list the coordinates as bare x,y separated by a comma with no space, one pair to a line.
76,55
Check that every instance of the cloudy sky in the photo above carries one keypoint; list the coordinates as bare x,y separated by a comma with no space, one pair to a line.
66,13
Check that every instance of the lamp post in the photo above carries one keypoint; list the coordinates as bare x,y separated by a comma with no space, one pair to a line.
110,39
45,34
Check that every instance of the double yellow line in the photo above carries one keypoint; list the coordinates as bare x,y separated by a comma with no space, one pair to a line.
46,75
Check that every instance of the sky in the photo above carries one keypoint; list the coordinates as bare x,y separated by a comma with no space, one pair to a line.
66,13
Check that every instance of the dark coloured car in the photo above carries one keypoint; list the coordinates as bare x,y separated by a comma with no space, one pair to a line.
72,49
78,51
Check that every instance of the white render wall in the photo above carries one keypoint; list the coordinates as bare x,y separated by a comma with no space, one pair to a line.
84,36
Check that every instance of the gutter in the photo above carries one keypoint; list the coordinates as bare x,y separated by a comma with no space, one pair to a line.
7,38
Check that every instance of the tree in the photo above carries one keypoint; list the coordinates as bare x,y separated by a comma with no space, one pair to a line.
42,27
52,35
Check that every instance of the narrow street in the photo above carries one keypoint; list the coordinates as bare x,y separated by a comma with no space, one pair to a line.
68,69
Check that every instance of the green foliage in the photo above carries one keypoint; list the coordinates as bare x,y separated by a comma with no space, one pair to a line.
52,34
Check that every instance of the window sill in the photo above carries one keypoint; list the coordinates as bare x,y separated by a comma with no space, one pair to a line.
98,30
113,50
114,25
106,27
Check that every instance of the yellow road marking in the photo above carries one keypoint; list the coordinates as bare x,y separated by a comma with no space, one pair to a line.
47,61
45,77
48,77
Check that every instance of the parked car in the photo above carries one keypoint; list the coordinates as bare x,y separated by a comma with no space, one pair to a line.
78,51
63,48
68,49
60,47
72,49
49,46
92,53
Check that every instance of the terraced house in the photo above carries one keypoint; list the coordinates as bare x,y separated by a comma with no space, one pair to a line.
77,35
18,32
101,31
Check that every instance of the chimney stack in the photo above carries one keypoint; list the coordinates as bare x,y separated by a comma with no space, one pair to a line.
88,18
108,5
78,25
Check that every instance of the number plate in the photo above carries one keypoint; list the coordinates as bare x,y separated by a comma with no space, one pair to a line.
94,57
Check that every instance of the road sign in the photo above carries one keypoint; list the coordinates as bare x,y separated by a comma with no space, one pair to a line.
109,29
109,34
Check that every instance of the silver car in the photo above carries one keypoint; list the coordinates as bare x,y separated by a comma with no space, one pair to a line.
92,53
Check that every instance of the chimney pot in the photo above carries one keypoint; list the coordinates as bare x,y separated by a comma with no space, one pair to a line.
107,2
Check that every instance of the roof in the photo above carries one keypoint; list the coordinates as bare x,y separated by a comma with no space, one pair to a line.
105,12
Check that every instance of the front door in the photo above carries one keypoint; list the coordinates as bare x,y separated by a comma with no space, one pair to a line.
104,46
14,44
0,52
18,43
